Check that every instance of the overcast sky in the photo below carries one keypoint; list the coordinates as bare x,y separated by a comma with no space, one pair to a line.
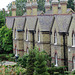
4,3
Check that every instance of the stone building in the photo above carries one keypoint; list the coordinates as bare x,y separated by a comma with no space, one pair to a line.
52,31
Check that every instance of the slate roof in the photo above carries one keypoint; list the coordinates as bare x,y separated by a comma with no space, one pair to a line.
31,22
63,22
38,13
59,11
45,22
10,22
20,22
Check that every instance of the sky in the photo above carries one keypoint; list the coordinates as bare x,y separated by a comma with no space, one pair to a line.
4,3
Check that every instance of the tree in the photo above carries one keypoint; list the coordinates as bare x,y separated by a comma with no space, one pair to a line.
6,45
30,62
2,19
71,4
41,64
41,4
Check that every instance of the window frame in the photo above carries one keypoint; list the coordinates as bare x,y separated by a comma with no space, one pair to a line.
15,34
55,37
56,59
38,36
73,39
26,35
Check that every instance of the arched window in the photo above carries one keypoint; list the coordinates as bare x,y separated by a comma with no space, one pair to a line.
15,33
38,36
73,63
56,60
73,39
26,35
55,37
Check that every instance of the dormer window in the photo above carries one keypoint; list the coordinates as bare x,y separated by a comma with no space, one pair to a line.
15,33
26,35
73,39
38,36
55,38
56,60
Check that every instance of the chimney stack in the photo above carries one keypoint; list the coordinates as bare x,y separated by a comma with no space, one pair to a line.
47,5
34,7
13,9
55,6
63,6
28,7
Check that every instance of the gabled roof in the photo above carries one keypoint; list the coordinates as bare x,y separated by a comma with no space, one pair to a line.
20,22
45,22
63,22
10,22
31,22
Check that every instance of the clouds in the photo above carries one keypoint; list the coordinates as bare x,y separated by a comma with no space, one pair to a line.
4,3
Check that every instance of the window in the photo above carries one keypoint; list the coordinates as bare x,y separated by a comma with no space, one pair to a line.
55,37
73,63
27,51
26,35
15,33
16,51
73,39
56,60
38,36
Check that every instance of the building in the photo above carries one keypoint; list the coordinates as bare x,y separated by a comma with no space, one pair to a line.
52,31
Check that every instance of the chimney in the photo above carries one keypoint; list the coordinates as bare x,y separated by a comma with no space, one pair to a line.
13,9
74,5
47,5
55,6
28,7
34,7
63,6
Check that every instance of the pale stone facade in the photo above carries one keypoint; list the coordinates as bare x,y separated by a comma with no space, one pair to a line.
50,31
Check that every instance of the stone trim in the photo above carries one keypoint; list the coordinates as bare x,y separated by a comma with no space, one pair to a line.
18,39
19,50
43,42
58,59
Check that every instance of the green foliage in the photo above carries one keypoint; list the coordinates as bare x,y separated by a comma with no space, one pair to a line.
71,4
2,19
23,61
41,64
6,40
41,4
30,62
61,70
7,57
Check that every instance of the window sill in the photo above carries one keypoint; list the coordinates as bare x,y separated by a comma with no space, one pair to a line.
55,43
38,41
56,65
26,40
73,46
15,38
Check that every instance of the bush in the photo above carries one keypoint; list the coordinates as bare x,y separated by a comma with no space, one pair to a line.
6,57
66,72
73,72
23,61
56,69
56,73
